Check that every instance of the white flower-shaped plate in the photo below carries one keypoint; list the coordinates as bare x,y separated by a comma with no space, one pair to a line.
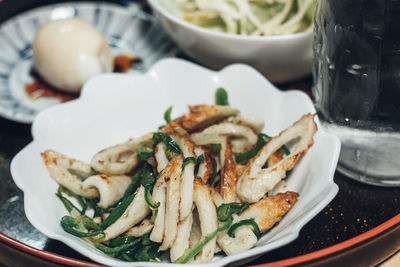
115,107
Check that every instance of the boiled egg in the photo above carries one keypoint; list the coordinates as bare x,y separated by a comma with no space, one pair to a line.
68,52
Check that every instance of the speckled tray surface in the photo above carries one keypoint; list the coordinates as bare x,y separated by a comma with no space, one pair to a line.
356,209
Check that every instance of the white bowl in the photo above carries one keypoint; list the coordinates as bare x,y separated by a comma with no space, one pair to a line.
115,107
280,58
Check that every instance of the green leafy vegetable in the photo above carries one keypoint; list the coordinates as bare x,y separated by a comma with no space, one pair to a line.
214,173
126,257
69,226
118,211
88,223
148,252
167,115
225,211
146,240
200,160
122,240
145,150
149,199
221,97
251,222
188,160
195,249
215,148
148,180
172,146
285,150
148,177
83,202
121,248
67,204
97,210
262,140
135,182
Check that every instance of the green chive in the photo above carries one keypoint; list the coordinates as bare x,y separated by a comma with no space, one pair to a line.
251,222
188,160
167,115
221,97
200,159
214,173
135,181
118,211
121,248
215,148
145,150
122,240
193,251
68,224
285,150
67,204
125,257
225,211
84,203
148,175
169,142
147,253
262,140
149,199
88,223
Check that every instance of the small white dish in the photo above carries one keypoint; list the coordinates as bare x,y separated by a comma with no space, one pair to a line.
115,107
128,31
281,58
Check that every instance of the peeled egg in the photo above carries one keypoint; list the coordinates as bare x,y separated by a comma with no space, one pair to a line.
68,52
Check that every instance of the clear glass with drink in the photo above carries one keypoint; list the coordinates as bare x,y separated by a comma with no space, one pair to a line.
357,85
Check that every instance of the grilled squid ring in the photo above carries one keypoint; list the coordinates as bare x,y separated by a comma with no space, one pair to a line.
135,213
208,219
202,116
266,212
141,229
244,239
181,242
111,188
115,160
206,168
66,172
255,180
187,178
161,156
251,121
166,191
243,138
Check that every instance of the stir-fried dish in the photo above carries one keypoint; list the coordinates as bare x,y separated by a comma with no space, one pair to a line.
246,17
201,184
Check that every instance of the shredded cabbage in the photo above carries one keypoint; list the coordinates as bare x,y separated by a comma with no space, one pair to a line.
246,17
